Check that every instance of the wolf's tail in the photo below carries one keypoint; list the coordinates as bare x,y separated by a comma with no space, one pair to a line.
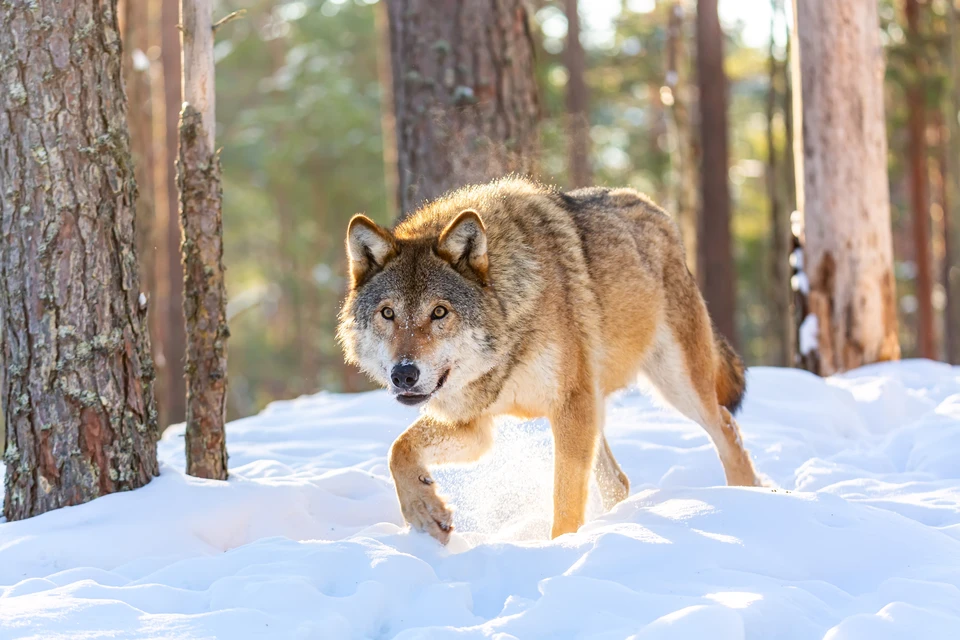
731,382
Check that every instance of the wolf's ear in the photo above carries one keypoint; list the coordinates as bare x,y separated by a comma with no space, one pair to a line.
369,246
464,244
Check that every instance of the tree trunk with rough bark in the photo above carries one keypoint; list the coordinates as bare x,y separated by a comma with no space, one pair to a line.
80,412
683,148
840,150
204,296
714,241
578,98
464,92
917,125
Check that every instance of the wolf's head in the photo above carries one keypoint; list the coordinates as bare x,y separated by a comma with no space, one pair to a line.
416,313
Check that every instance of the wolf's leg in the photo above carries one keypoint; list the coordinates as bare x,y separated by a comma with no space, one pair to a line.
669,368
424,443
613,482
576,427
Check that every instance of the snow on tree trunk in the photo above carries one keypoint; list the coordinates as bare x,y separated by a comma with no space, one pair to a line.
715,260
840,149
464,92
80,412
204,297
577,100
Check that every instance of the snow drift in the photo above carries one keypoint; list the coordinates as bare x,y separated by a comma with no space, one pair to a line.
861,541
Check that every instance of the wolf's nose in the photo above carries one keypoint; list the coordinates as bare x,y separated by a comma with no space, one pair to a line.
404,376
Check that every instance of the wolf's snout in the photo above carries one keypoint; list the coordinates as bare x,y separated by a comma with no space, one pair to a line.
405,376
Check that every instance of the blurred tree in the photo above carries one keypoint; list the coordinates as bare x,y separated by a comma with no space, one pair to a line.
81,416
577,100
134,23
170,273
464,94
676,95
201,223
919,180
950,155
779,281
842,187
715,260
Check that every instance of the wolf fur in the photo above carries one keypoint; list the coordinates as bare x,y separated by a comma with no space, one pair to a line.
511,298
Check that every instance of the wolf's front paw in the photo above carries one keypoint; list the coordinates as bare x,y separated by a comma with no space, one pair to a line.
426,511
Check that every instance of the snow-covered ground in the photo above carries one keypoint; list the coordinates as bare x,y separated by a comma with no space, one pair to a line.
861,542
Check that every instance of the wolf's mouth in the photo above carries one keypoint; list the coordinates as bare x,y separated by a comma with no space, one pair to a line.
411,399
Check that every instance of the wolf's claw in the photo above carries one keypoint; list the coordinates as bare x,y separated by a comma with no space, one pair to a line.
426,511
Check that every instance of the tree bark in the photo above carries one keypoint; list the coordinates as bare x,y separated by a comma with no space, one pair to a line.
578,98
78,397
464,92
684,149
170,278
917,125
205,298
715,250
840,150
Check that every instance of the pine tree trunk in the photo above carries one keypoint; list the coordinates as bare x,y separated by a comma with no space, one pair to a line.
840,150
171,303
917,126
136,75
464,92
388,122
779,283
715,251
683,147
577,100
204,297
951,270
78,395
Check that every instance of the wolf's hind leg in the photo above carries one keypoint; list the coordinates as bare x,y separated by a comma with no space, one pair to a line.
613,482
684,376
427,442
576,426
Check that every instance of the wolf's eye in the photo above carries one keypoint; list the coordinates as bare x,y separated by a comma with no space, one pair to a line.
438,312
387,313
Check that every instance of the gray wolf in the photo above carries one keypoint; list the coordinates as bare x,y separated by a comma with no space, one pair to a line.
512,298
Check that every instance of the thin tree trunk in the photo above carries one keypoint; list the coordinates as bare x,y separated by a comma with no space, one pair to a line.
161,165
779,283
78,398
715,255
175,396
840,150
952,169
918,188
204,299
388,121
683,149
464,92
950,322
134,30
788,178
577,100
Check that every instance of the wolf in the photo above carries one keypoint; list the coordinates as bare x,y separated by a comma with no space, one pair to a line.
513,298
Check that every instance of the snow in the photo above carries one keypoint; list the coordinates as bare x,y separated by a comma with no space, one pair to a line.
809,335
860,542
